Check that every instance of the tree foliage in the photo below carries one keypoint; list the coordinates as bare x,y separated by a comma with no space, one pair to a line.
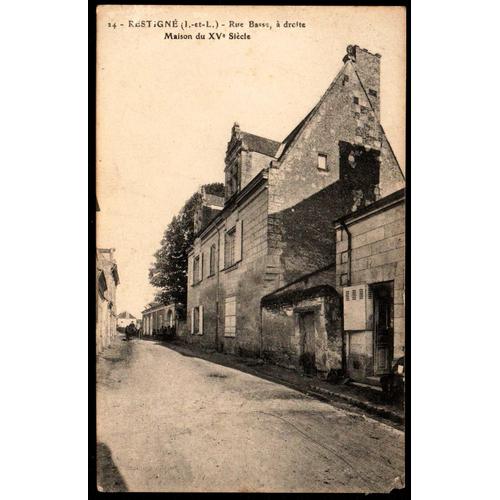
168,272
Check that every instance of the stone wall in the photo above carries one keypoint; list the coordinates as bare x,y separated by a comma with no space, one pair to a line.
304,200
282,336
245,280
377,255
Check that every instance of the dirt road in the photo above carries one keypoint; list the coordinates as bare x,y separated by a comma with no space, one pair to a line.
169,422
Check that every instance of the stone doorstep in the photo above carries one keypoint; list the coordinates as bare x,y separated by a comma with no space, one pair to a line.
371,386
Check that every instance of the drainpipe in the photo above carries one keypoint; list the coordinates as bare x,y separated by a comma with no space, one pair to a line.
260,332
217,295
343,224
344,340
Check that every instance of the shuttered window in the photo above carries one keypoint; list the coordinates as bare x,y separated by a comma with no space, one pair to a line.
230,317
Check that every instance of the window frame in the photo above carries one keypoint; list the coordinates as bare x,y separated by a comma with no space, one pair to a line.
230,248
325,156
196,269
212,262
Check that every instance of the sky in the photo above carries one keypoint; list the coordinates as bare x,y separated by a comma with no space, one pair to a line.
165,107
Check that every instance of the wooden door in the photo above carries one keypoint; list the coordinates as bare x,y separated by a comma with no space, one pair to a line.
308,341
383,318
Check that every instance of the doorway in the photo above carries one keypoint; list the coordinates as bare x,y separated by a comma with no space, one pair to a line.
307,328
383,326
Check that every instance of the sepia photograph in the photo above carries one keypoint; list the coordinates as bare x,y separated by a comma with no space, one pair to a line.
250,288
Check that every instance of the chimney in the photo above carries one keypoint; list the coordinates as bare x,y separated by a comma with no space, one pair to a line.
367,66
209,206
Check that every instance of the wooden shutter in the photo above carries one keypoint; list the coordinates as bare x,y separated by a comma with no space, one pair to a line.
200,326
192,320
222,236
190,270
238,241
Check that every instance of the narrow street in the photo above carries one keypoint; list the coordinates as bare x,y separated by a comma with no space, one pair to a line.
170,422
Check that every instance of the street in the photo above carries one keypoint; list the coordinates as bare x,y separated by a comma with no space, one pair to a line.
170,422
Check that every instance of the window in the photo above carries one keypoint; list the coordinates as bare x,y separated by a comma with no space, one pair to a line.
230,317
212,260
196,269
360,294
355,100
354,295
345,80
229,247
322,165
372,92
347,295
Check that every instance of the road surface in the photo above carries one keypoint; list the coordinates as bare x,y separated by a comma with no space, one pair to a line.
168,422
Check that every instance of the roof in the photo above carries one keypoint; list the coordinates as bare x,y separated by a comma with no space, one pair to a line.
287,141
257,181
385,202
296,295
161,306
126,314
260,144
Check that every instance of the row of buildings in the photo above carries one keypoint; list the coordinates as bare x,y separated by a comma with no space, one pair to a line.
303,260
107,280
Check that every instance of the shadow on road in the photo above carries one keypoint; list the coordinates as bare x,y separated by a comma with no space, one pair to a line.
356,399
108,475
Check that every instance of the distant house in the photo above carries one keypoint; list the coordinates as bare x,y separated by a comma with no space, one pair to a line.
156,318
125,319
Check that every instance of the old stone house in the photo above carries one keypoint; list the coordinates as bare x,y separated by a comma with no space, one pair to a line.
107,280
271,249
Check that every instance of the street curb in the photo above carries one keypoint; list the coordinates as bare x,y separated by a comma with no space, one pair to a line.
316,392
369,408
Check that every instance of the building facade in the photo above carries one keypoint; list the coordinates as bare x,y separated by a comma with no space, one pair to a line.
371,279
158,318
275,232
107,280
